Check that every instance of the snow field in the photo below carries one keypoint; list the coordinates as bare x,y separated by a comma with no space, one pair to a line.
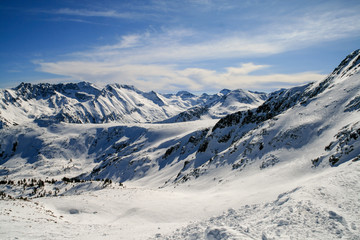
319,206
324,207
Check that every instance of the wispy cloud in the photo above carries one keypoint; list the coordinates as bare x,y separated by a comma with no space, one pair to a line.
316,27
190,45
76,20
92,13
166,47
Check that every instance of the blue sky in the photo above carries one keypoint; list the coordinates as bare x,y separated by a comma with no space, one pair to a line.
194,45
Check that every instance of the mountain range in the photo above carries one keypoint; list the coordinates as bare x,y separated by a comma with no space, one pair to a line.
84,102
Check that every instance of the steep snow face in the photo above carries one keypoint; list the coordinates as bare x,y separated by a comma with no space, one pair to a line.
85,103
119,152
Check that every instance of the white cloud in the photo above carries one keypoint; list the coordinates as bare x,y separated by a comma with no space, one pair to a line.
166,78
244,69
238,77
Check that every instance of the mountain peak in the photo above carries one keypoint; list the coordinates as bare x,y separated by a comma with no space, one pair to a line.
225,91
349,65
118,86
185,94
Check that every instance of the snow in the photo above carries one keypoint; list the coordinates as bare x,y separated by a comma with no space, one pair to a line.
321,205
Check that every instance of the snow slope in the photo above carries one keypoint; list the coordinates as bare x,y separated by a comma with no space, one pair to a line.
72,149
321,207
271,205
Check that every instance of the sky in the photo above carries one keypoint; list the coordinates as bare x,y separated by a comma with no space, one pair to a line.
168,46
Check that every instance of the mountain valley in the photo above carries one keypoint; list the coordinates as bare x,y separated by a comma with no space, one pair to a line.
120,163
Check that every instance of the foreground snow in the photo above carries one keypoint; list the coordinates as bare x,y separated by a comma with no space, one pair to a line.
271,205
325,207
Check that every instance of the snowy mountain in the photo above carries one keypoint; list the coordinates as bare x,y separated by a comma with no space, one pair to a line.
85,103
288,168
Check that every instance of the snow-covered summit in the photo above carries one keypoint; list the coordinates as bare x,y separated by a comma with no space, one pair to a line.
185,94
349,65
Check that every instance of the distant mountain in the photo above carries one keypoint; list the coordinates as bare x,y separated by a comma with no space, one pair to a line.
85,103
220,105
